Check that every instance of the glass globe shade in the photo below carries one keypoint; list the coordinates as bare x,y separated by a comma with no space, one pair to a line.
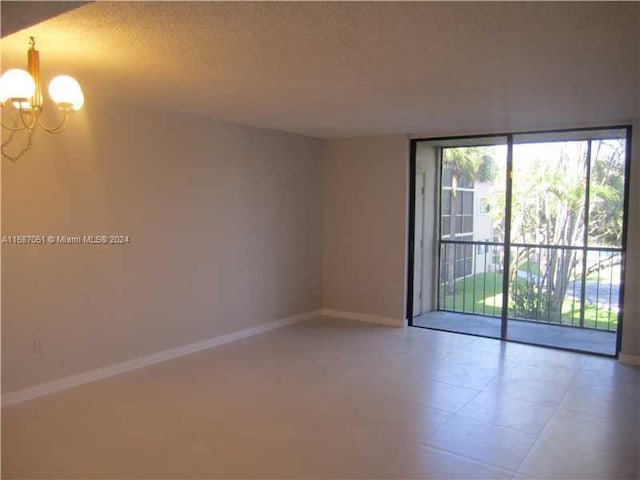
65,91
3,93
17,84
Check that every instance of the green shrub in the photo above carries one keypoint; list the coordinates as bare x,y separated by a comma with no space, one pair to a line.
529,301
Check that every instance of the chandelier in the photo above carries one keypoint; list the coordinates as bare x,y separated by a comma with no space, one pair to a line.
21,94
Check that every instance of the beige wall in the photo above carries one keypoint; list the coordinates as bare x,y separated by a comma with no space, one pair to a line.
631,326
631,312
225,228
364,239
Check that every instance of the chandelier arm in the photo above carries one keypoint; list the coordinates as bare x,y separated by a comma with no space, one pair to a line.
14,129
58,128
30,125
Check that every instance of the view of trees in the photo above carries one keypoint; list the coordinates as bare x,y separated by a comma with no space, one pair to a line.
607,193
550,217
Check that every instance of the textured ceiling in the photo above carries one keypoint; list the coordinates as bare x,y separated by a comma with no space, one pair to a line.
347,68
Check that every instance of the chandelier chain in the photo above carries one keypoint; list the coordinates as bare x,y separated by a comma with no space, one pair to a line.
15,158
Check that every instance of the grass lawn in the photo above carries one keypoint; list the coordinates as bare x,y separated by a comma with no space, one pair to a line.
482,294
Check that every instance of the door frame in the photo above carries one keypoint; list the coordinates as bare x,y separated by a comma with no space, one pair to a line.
412,210
420,248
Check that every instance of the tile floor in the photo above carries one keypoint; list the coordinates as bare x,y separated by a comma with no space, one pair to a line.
337,399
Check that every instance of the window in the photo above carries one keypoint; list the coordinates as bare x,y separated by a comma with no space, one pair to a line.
457,212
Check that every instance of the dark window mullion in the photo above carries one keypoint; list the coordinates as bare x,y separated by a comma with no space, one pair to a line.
507,239
587,194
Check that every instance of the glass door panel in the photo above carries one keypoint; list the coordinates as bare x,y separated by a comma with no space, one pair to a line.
471,196
566,230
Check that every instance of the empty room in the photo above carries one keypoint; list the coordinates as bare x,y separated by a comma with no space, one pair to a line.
328,240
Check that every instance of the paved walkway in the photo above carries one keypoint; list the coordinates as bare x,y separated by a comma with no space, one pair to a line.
603,294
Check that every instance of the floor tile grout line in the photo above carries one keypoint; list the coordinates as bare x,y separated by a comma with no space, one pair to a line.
458,454
468,402
441,426
455,412
508,427
578,445
431,379
539,436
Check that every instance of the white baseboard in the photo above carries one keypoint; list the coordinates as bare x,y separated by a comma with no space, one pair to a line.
111,370
629,359
363,317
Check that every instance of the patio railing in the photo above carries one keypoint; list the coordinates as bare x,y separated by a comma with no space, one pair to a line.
562,285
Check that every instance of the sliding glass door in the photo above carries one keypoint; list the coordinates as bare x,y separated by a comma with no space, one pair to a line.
567,210
471,254
529,236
